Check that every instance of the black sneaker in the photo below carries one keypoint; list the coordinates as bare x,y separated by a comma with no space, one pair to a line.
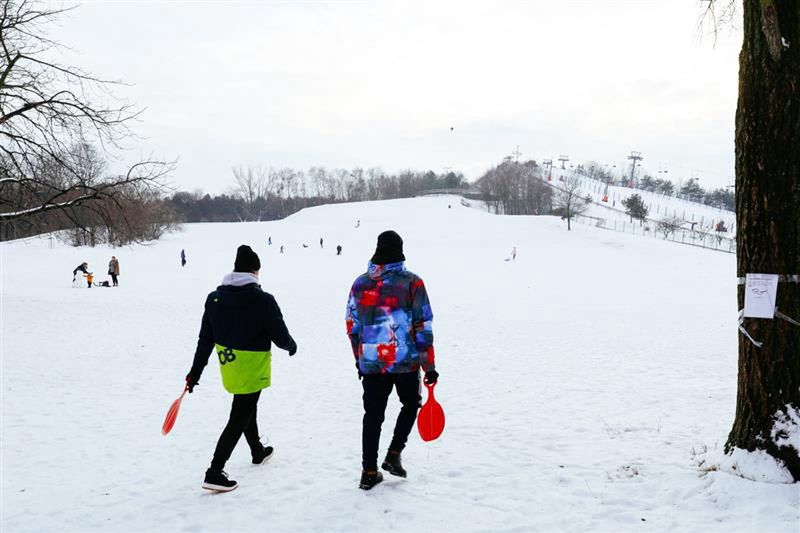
393,465
369,479
265,455
218,480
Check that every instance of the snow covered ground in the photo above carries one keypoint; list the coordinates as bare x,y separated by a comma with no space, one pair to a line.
583,384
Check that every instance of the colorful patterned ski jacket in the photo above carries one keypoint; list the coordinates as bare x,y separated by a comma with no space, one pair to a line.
389,321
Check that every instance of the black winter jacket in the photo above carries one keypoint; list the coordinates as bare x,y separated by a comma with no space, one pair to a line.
240,318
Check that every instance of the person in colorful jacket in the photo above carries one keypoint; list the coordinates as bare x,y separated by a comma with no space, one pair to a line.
389,324
240,323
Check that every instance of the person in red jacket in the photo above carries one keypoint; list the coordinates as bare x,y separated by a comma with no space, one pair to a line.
389,321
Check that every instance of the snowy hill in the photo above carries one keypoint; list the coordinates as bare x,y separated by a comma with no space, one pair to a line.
659,206
583,383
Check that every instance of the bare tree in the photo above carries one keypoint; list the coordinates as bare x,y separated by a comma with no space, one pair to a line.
321,180
513,188
570,200
50,117
669,225
253,186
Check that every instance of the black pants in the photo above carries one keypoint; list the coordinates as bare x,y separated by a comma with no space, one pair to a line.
114,279
241,420
377,388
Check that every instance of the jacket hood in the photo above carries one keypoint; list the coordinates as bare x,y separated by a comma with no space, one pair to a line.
239,279
381,271
238,288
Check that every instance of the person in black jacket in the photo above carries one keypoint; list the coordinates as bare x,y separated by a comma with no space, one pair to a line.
240,323
83,267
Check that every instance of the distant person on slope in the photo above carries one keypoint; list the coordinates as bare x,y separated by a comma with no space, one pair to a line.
183,258
338,249
113,270
240,322
83,267
389,324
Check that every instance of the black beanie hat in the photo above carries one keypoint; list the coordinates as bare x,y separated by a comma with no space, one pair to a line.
246,260
389,249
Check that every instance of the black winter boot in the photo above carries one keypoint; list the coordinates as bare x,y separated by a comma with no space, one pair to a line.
218,480
393,465
370,478
264,456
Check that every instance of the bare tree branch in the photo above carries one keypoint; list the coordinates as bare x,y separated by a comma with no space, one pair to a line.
716,15
51,116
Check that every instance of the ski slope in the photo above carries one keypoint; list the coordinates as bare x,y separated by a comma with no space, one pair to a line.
659,206
583,384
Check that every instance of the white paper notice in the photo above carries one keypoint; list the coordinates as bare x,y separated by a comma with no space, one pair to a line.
759,295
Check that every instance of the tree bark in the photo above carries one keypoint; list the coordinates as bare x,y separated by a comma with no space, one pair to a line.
768,220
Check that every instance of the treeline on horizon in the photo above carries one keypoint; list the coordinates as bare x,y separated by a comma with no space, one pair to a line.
260,193
264,193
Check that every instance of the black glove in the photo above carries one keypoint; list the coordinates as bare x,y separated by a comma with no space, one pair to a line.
431,377
292,348
192,381
360,375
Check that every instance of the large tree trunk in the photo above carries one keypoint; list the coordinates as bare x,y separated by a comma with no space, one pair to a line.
768,219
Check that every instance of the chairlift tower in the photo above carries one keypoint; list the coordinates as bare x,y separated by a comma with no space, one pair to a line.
563,159
634,157
548,164
516,153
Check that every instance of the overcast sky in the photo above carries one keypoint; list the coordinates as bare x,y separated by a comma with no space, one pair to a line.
344,84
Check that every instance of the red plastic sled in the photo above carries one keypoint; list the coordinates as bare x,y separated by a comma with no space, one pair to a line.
430,421
172,414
